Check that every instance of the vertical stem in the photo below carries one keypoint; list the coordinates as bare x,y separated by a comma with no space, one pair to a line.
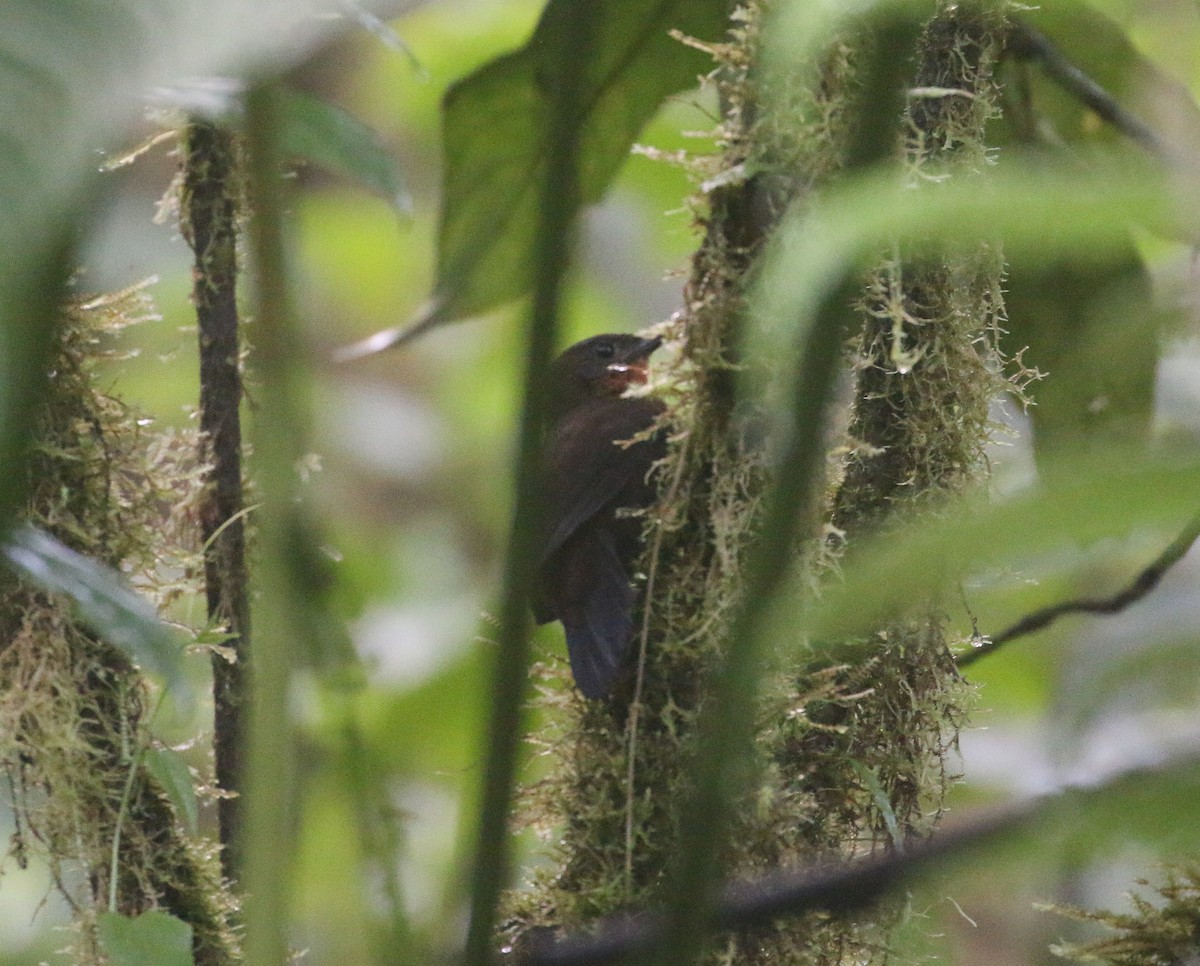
557,205
210,215
268,837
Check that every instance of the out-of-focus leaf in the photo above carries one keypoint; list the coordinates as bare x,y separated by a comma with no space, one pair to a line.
311,129
440,719
332,137
494,137
1101,498
1153,806
1091,327
155,938
1105,52
1148,803
104,601
172,773
74,73
820,246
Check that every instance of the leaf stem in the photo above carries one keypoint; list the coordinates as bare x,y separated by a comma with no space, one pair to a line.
268,838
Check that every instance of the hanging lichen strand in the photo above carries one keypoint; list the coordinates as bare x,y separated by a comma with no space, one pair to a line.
848,755
73,709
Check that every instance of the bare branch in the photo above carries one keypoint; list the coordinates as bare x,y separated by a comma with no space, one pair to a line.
841,888
1142,584
210,203
1030,43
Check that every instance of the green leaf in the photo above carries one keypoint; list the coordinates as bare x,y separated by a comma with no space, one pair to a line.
494,140
154,938
1145,802
818,247
1107,54
172,773
104,601
333,138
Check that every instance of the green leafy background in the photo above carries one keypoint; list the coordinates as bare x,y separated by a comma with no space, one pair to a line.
415,446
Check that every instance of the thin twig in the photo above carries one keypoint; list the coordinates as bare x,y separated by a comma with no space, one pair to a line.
210,224
1030,43
643,643
1145,581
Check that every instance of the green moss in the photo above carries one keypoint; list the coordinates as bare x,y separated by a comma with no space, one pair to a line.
1161,931
851,758
72,707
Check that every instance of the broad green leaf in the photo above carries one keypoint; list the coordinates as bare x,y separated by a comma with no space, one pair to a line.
495,135
1147,802
311,130
1151,805
172,773
1089,320
105,603
800,29
154,938
843,233
1104,52
333,138
1036,211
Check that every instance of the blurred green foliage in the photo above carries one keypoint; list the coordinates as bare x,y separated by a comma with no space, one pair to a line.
413,491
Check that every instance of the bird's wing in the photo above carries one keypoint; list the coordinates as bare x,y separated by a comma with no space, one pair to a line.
585,470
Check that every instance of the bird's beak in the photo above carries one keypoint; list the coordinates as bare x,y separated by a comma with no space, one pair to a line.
637,362
644,348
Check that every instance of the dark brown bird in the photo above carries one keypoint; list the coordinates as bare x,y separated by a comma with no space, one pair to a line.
587,547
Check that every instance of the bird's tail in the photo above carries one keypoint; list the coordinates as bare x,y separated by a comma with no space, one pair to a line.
599,635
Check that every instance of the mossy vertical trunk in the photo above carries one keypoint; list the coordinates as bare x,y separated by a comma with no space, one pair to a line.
73,723
850,757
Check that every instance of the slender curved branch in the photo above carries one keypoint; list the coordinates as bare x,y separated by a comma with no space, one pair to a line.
1029,43
840,889
1145,581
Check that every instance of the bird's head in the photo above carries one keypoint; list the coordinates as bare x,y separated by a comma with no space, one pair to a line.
602,366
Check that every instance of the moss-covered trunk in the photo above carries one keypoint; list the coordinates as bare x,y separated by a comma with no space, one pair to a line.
74,733
850,757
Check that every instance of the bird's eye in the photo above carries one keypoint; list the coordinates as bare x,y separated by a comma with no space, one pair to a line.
605,350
